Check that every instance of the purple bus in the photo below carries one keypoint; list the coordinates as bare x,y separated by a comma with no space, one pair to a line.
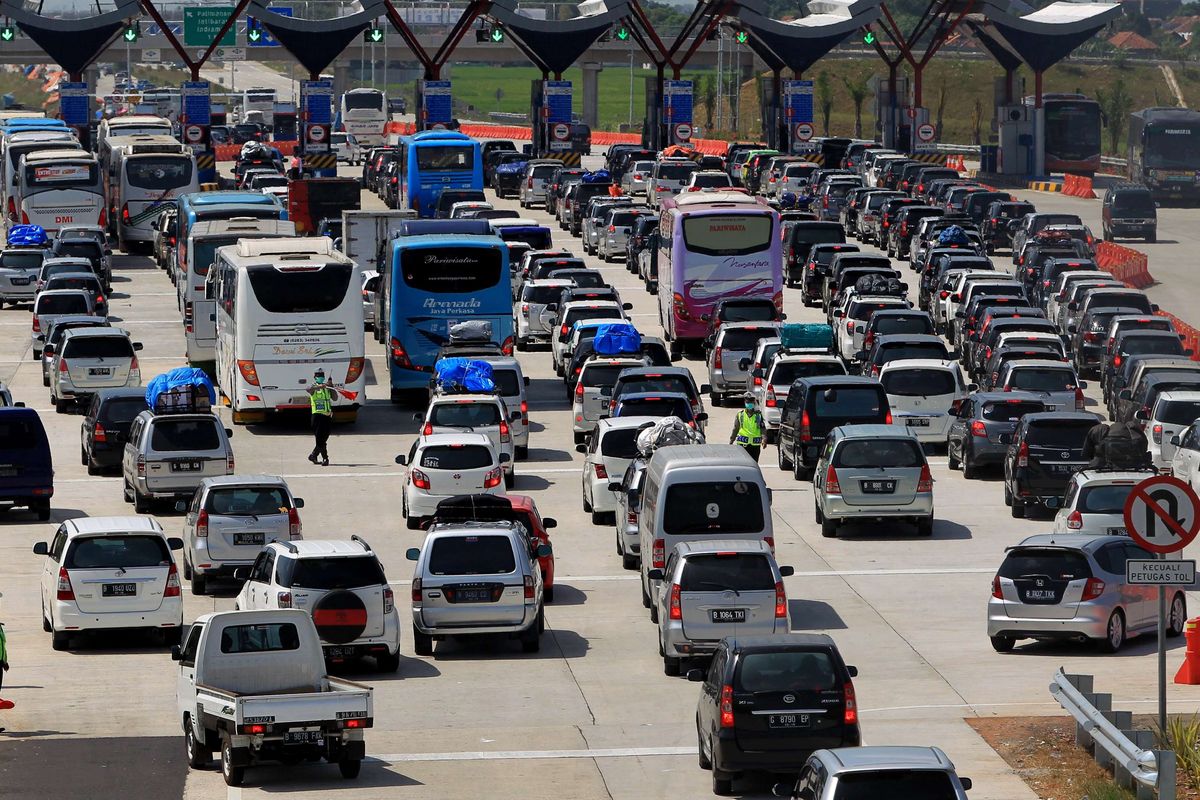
713,247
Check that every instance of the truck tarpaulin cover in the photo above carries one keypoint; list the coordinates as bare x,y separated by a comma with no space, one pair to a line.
953,235
186,378
617,338
464,375
806,336
25,235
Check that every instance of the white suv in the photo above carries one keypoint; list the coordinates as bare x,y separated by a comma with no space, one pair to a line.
341,584
443,465
473,413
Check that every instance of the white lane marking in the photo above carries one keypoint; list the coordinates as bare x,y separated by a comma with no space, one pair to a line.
397,473
821,573
234,793
179,359
522,755
116,322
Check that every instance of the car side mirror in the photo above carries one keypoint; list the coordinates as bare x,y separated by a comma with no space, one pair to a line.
787,572
1188,352
614,486
418,417
705,388
1154,306
655,575
956,406
241,574
581,448
695,675
402,460
176,653
229,432
1125,394
1004,438
137,345
549,523
1174,441
852,671
525,379
40,549
702,416
48,350
627,306
966,783
505,458
181,506
19,404
1141,414
972,387
412,553
839,314
1081,384
175,543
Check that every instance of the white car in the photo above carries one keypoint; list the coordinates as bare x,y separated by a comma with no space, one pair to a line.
512,386
1173,412
370,285
108,573
527,312
341,584
571,313
770,387
920,392
278,192
942,304
1095,502
443,465
608,452
473,413
346,147
458,209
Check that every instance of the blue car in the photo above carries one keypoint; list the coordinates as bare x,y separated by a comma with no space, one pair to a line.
26,471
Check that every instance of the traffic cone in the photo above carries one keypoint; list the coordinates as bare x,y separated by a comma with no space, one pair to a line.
1189,671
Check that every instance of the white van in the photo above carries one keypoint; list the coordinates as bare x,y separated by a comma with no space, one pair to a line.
920,392
696,492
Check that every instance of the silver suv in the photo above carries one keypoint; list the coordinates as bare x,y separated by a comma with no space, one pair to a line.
90,359
167,455
876,771
477,578
717,588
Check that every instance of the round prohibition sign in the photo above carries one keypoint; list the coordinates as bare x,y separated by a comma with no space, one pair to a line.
1162,514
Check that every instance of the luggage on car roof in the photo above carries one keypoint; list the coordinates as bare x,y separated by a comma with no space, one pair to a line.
464,375
806,336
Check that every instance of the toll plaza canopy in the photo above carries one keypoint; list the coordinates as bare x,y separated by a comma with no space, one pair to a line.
72,43
800,43
1040,38
554,45
315,43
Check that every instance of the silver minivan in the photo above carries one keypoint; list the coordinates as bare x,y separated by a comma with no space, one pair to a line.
512,386
230,519
728,358
669,177
717,588
593,391
1054,381
90,359
167,455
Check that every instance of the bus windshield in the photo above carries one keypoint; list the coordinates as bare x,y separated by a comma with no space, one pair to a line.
355,101
1172,147
159,172
451,270
61,176
303,290
727,234
1072,129
445,158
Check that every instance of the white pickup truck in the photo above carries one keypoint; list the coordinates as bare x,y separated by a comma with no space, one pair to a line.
252,684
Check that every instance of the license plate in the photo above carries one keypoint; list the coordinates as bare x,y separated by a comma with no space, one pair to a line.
20,281
248,538
304,737
185,466
917,422
1052,408
340,652
473,595
727,614
789,720
118,590
878,487
99,371
1040,594
1061,469
1117,532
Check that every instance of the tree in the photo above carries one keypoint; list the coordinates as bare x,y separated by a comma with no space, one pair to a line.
825,99
976,121
1115,105
859,90
708,94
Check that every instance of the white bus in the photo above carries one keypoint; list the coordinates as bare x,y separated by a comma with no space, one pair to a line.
287,308
14,145
132,125
59,187
364,114
260,100
141,174
199,312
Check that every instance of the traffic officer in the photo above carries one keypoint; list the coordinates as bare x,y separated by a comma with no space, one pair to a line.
748,428
320,398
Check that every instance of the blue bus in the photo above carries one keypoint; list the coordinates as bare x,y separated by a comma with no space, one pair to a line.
433,161
437,281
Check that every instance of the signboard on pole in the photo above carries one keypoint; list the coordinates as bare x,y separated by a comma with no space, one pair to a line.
556,113
798,113
73,103
437,110
316,99
197,106
151,55
1141,572
677,108
201,24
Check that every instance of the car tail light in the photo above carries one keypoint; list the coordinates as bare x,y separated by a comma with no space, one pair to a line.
188,317
530,182
230,464
37,326
601,471
389,600
490,481
887,418
524,413
529,587
850,715
997,592
101,435
717,359
757,380
395,181
1092,589
780,601
925,482
283,599
400,355
420,479
65,592
1156,431
505,433
832,484
506,347
1116,361
850,326
1091,337
868,340
579,390
805,428
772,402
133,365
1023,455
427,429
141,466
173,588
125,213
416,590
249,373
727,706
562,331
62,366
355,369
1075,521
1079,400
978,428
202,524
676,610
658,554
294,525
631,518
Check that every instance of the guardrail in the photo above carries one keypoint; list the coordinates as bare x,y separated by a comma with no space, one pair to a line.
1109,736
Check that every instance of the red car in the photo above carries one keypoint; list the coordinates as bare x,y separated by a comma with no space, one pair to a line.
514,508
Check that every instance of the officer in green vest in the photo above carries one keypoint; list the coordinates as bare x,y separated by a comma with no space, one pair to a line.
748,427
320,399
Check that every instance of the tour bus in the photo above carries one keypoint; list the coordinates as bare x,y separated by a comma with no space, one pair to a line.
1164,152
199,313
59,187
132,125
287,308
437,281
259,100
714,247
8,115
141,174
16,144
220,205
364,114
434,161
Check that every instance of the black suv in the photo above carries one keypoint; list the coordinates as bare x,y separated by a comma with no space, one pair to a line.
768,702
1043,453
815,406
1129,210
998,222
105,427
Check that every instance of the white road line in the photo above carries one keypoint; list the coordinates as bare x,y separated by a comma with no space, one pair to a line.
823,573
522,755
116,322
395,474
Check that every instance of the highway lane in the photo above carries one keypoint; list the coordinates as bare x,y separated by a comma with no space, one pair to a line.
592,715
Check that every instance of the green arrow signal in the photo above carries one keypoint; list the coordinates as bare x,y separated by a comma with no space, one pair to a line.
376,35
130,35
497,35
7,34
254,35
622,33
869,38
742,37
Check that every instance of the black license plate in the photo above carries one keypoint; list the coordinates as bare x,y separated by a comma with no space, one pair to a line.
248,538
118,590
185,466
340,652
20,281
304,737
727,614
99,371
789,720
8,472
473,595
1040,595
917,422
878,487
1061,469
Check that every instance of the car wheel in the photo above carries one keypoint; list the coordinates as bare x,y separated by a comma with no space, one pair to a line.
422,643
59,640
1152,237
629,562
818,517
233,775
645,596
704,760
829,528
1007,495
387,662
799,471
522,452
199,583
671,666
531,639
587,508
1177,616
547,591
599,517
1115,629
197,756
141,505
783,462
350,767
952,463
970,471
1002,644
654,613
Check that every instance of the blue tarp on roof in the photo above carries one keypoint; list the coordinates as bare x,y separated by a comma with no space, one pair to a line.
615,338
24,235
181,376
464,374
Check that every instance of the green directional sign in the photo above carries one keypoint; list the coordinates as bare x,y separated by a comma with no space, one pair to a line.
8,33
132,32
622,33
373,35
869,38
202,24
497,35
742,37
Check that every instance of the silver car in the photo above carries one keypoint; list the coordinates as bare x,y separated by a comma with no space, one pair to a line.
90,359
876,771
527,313
18,273
1072,587
628,492
872,472
1054,381
614,231
230,519
535,181
728,357
717,588
370,285
167,455
636,177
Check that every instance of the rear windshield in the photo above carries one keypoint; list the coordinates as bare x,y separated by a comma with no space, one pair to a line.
1061,565
676,172
601,375
919,382
895,352
22,259
850,403
248,501
121,410
623,219
88,284
1103,499
748,312
331,573
98,347
20,434
115,552
925,784
712,508
472,555
184,434
260,638
88,250
1010,410
879,453
1167,345
464,415
915,324
1059,433
578,314
862,311
1139,301
1177,412
508,382
745,338
542,294
656,383
620,443
818,234
303,291
655,407
456,457
788,371
1042,379
812,671
62,304
583,278
840,189
711,181
544,170
737,571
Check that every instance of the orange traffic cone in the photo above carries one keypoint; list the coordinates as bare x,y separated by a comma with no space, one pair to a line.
1189,671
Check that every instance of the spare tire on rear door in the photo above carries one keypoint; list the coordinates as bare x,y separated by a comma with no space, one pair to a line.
340,617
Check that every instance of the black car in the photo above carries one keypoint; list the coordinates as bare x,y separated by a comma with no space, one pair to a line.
558,182
1043,453
1089,339
982,425
818,267
801,238
999,221
896,347
1038,350
815,406
768,702
639,239
85,247
1135,342
105,427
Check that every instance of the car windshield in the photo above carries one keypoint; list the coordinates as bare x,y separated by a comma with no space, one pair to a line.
717,507
332,573
620,443
1062,565
472,555
184,434
248,501
98,347
1010,410
919,382
601,374
883,453
789,670
62,304
1104,499
896,352
850,402
1165,345
1059,434
123,551
465,415
719,572
925,784
456,456
1177,412
1042,379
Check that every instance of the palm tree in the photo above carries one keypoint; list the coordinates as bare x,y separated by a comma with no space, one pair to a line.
859,89
825,99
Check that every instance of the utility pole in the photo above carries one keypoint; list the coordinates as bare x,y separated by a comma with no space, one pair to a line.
720,75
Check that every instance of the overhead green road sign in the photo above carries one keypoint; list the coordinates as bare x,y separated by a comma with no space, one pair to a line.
497,35
8,33
202,24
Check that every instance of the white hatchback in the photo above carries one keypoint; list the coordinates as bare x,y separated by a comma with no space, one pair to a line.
1095,502
473,413
608,453
442,465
